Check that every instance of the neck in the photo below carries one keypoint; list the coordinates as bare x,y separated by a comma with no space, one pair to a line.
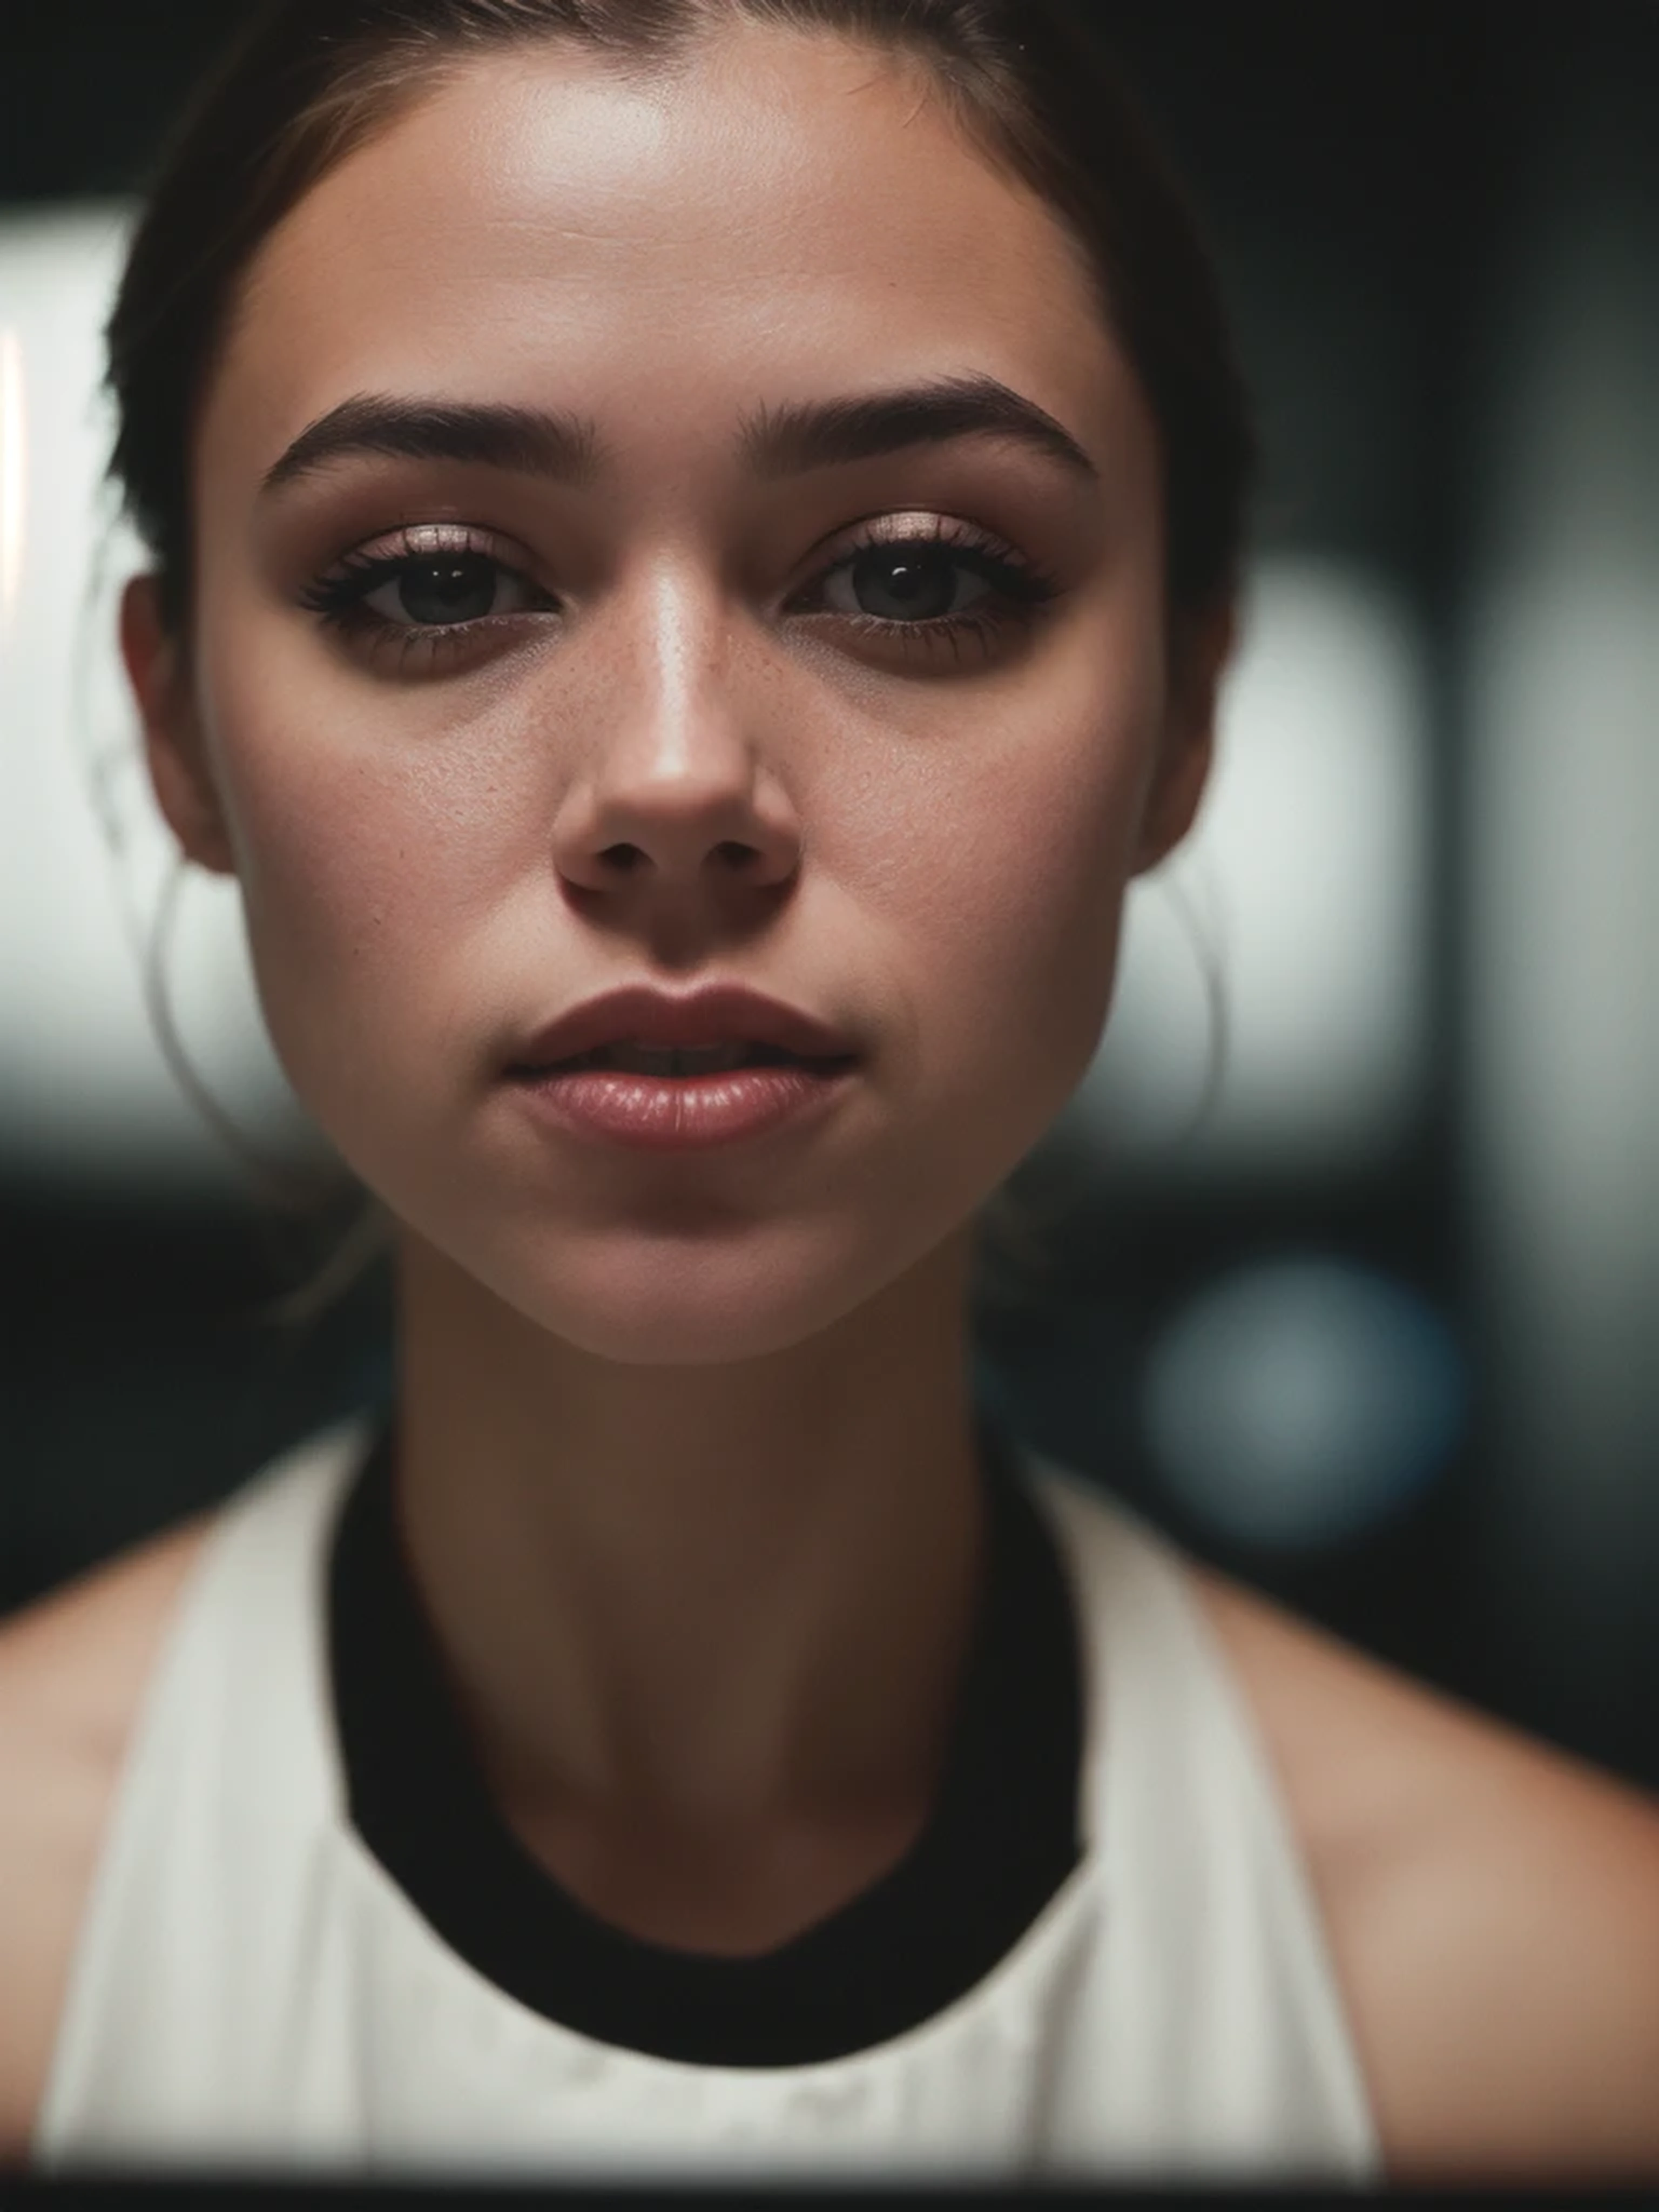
716,1597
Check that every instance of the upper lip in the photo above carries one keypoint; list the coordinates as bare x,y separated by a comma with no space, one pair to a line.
718,1013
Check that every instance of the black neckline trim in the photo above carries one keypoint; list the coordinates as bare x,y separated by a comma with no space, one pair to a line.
1002,1838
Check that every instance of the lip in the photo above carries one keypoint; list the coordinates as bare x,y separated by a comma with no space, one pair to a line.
718,1013
677,1114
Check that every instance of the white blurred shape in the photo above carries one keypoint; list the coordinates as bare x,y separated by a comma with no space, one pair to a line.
13,473
85,1092
1307,876
1298,1402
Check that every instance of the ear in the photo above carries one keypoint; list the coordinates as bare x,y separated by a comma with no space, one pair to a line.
1187,750
172,737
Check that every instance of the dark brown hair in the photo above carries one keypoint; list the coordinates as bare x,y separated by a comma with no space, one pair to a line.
310,81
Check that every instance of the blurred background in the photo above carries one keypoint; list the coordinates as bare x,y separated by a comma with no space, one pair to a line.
1364,1309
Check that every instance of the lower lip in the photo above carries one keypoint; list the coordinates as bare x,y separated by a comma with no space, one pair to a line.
682,1113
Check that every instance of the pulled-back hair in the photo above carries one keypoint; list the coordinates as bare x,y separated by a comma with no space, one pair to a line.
311,81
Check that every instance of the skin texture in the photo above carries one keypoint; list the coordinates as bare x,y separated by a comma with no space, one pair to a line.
687,1479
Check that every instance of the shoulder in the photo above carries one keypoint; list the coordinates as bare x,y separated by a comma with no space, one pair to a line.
1491,1908
73,1669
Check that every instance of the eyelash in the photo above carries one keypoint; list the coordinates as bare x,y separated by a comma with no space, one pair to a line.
1022,591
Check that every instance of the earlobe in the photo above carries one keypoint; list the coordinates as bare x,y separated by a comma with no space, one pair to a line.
172,741
1172,806
1187,752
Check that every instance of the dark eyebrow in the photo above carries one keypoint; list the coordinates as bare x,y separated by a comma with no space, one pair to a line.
521,438
778,441
822,433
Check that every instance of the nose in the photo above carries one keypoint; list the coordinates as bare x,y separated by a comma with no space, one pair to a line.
677,794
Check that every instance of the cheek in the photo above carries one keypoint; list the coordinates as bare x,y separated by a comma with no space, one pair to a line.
366,853
1030,883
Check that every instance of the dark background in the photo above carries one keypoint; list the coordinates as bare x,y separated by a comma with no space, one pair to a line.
1373,178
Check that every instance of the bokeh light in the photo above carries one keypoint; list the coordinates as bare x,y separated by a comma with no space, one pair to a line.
1295,1403
87,1096
1305,879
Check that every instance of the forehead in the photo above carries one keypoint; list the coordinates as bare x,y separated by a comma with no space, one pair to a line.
792,213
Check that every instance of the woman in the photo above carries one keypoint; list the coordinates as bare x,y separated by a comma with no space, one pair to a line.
715,532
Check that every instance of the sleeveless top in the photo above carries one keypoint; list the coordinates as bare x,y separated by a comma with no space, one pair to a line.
311,1947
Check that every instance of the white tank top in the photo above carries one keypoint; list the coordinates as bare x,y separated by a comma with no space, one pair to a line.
250,1990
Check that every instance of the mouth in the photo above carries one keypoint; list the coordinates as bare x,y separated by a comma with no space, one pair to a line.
672,1061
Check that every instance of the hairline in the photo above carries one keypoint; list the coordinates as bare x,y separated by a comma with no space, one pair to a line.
661,63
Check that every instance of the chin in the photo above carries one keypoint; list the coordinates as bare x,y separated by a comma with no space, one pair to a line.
685,1340
708,1300
685,1330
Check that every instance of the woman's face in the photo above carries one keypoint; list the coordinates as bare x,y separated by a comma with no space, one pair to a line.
445,843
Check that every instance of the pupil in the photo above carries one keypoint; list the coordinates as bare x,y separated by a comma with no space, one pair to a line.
447,588
919,584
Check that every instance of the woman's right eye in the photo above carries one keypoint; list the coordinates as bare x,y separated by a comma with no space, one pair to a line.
411,591
449,588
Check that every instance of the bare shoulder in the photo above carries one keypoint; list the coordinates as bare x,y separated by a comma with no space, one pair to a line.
1491,1908
73,1668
